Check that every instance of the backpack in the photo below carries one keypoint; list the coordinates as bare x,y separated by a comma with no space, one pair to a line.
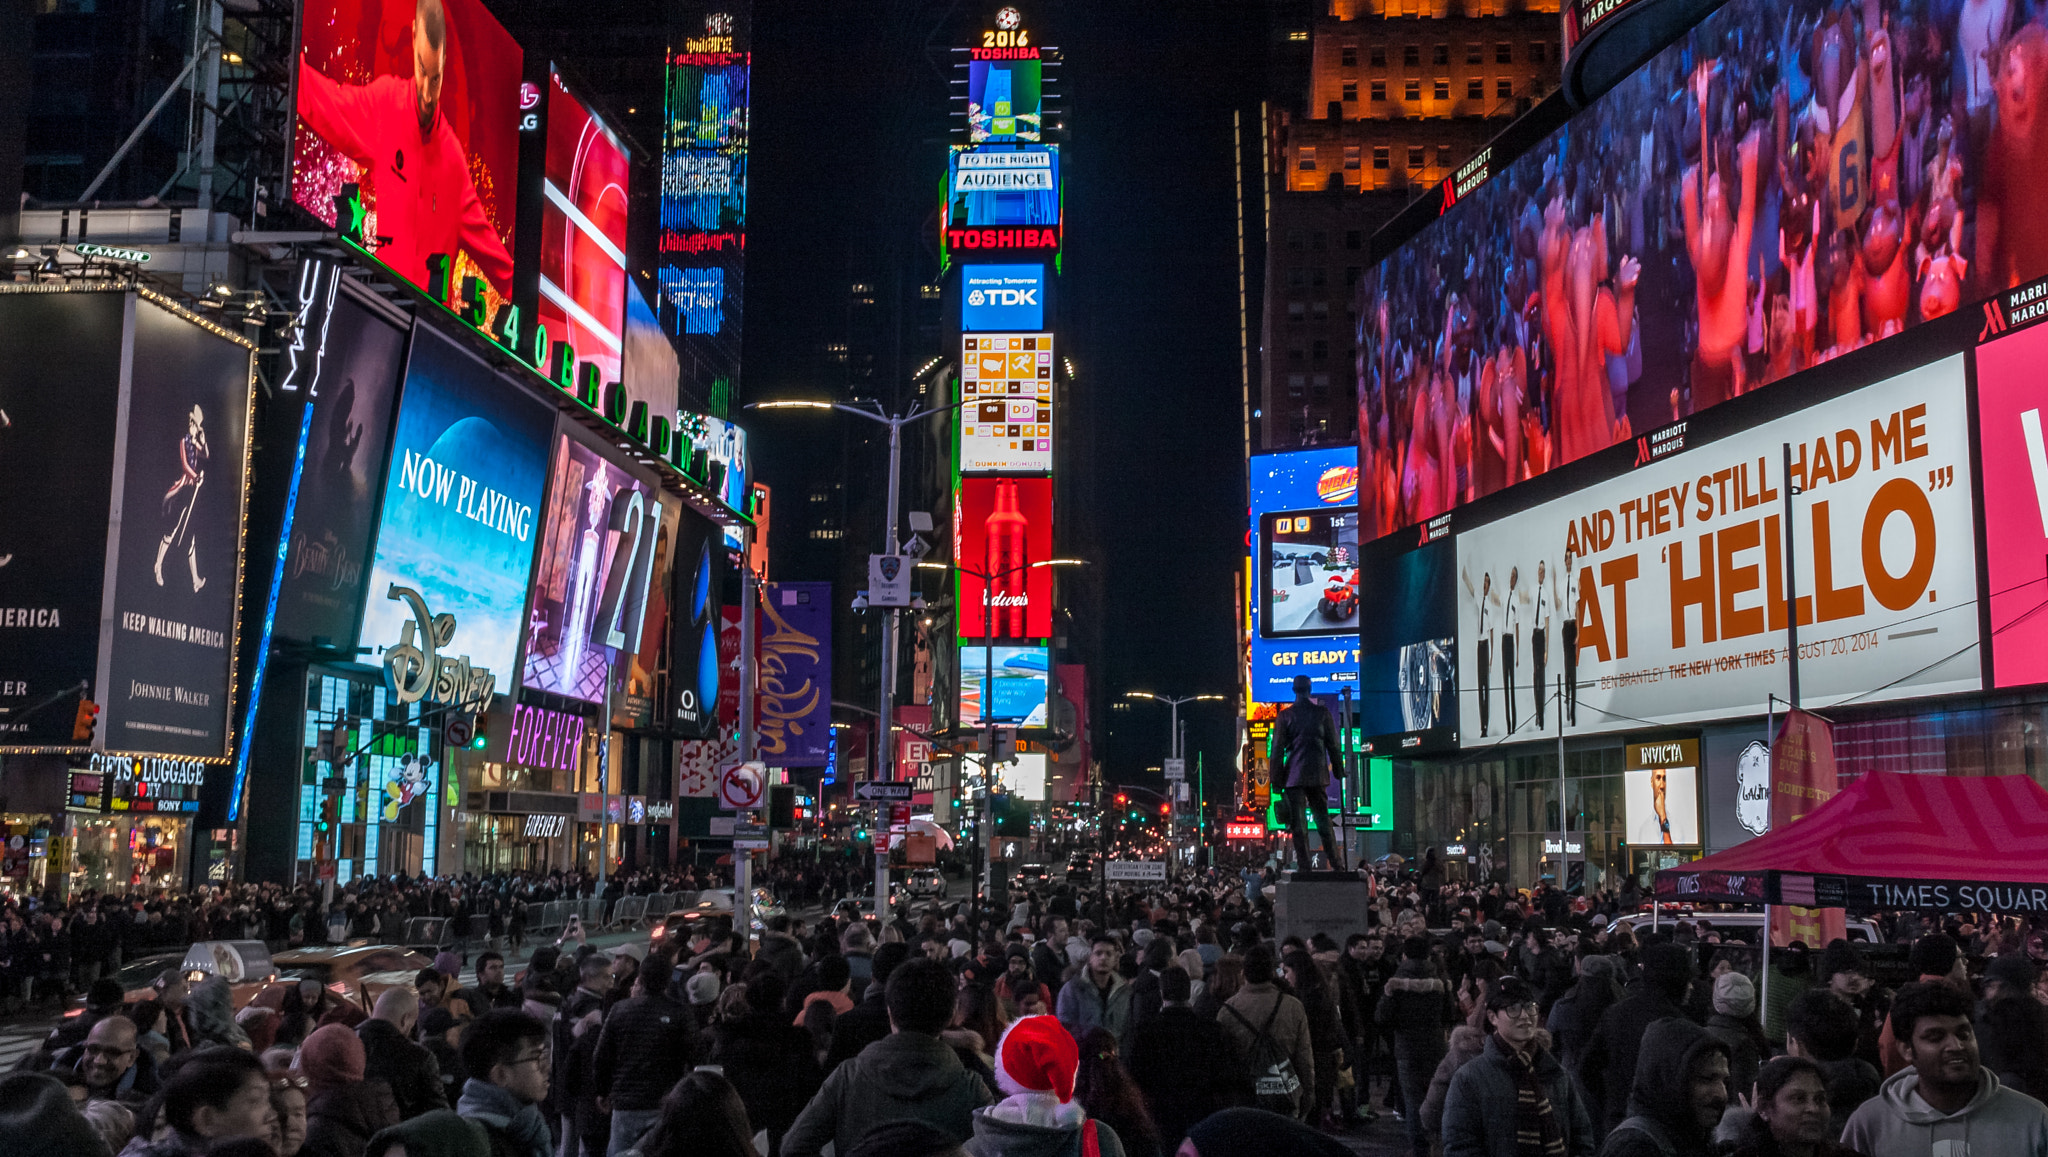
1276,1087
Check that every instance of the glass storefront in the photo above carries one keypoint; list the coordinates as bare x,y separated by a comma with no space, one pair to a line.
1495,820
370,779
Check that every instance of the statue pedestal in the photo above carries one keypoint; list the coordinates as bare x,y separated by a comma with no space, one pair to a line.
1333,903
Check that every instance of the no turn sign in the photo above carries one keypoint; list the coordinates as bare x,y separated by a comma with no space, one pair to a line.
741,786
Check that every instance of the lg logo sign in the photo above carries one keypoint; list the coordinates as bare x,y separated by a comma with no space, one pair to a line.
1002,297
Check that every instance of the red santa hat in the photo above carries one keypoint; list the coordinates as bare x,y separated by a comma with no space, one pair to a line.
1038,1055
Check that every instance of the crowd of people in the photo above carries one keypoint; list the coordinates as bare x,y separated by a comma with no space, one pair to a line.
1082,1021
52,949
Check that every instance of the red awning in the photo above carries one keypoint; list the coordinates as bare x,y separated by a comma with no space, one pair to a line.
1891,840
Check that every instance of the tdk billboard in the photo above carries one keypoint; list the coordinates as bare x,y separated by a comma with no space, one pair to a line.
1002,297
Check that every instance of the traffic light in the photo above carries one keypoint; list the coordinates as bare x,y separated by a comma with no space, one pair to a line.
85,722
330,814
1122,799
782,806
1163,809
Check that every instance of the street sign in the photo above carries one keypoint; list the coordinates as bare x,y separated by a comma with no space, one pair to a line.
1176,769
875,789
741,786
889,580
750,845
1135,870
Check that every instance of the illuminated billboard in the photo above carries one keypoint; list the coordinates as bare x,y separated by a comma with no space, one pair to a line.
416,102
1790,181
1003,297
60,385
583,233
1001,526
1019,678
1003,101
462,496
1006,388
996,186
599,535
2015,481
703,211
1658,594
1304,537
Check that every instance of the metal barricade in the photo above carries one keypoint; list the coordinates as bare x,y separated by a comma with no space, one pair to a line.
628,910
660,904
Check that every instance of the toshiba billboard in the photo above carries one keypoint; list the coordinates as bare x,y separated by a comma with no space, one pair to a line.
1660,592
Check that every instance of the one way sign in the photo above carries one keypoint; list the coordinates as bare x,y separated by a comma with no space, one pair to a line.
875,789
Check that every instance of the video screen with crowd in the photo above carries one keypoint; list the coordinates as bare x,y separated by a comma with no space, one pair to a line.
1792,180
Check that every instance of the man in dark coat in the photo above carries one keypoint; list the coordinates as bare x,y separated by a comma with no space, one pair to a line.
866,1022
1416,1010
1607,1065
1183,1063
649,1043
388,1052
1303,752
1485,1113
1678,1094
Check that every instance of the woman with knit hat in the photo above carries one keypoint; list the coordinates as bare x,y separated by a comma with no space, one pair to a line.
1038,1117
343,1108
1734,1024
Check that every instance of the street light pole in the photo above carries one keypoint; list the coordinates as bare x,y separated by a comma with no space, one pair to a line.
1176,749
985,825
885,743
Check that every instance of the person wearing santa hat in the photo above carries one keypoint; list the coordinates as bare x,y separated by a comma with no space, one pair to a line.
1039,1117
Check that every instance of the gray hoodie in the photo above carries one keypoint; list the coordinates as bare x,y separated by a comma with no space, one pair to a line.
1998,1122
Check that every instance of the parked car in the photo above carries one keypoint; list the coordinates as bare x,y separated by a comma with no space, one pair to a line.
715,906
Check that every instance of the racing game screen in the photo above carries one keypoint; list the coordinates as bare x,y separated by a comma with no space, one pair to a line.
1311,574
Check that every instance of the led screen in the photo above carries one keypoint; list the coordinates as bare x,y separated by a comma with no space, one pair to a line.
651,371
1304,538
2015,462
60,382
1792,180
1003,101
999,185
177,574
1007,297
462,497
583,233
347,360
703,212
416,101
1019,678
1006,388
1001,527
1658,594
1661,793
697,671
598,534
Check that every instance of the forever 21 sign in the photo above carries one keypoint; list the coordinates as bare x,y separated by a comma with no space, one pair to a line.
546,826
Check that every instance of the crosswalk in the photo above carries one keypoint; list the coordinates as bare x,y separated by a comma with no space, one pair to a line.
19,1040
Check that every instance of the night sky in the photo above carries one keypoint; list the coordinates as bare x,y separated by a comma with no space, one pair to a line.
847,157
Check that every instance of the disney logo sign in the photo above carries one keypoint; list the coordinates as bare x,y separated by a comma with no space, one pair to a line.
415,669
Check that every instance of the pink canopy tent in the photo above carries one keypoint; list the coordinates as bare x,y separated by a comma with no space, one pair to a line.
1892,841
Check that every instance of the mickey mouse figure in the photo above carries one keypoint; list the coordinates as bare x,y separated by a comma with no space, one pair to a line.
407,784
